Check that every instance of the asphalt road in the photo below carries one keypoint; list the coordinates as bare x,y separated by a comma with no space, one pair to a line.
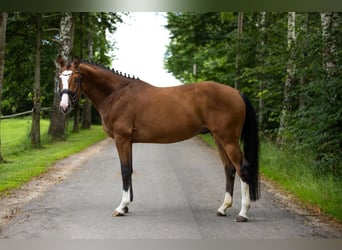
177,190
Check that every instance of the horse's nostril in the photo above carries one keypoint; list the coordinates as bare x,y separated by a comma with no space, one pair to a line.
63,109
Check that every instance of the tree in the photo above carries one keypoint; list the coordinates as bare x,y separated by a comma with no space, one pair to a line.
330,25
261,84
86,115
66,36
239,33
330,130
3,24
18,94
204,39
35,128
209,40
300,50
290,78
20,63
90,32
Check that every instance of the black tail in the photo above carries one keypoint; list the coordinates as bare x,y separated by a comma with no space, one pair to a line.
250,139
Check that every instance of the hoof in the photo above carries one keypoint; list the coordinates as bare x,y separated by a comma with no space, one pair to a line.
241,219
125,210
218,213
117,214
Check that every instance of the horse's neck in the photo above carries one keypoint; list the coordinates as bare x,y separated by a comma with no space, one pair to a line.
98,85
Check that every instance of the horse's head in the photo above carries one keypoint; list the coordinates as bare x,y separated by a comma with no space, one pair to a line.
69,82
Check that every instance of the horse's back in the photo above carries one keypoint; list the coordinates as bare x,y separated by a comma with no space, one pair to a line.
178,113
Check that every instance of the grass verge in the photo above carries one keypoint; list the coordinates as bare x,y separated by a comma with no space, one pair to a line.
293,172
23,162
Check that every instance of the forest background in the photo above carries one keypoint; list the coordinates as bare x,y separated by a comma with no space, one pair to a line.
288,63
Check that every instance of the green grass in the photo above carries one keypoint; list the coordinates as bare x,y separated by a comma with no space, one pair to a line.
23,162
207,138
15,135
292,170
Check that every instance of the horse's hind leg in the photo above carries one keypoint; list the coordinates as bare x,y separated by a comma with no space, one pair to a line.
235,155
230,177
124,147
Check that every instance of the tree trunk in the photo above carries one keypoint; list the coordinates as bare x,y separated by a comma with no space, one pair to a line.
330,24
86,119
290,77
35,129
76,127
305,28
58,120
3,24
237,60
261,83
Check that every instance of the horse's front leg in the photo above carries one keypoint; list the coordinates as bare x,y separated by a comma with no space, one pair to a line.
124,147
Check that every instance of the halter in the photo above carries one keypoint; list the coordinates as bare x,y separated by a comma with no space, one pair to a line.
78,81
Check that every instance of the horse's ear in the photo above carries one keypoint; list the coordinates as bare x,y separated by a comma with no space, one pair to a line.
60,61
76,61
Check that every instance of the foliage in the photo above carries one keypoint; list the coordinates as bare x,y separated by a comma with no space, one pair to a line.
20,53
196,38
94,26
210,41
317,122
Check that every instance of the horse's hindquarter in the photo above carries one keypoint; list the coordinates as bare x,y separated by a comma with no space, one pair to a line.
224,108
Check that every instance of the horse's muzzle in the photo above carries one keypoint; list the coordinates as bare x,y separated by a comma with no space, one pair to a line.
65,109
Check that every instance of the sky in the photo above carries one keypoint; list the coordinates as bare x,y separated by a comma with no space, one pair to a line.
140,47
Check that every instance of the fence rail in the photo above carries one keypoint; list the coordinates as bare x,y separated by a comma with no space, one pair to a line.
23,113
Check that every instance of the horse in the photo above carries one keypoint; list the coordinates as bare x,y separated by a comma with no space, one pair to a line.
133,111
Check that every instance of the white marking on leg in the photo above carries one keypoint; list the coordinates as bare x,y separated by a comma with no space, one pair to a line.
226,204
124,203
245,199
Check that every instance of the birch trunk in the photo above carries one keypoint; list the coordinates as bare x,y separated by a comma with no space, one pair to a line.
3,24
58,120
290,77
330,23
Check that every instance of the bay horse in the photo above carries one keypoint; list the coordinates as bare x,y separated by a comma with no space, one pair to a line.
134,111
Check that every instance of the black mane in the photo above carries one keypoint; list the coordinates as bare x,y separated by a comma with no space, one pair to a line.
111,70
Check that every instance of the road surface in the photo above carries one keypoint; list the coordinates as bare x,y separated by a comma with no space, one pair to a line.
177,190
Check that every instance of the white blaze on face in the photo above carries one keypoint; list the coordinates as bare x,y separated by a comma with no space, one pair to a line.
65,85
